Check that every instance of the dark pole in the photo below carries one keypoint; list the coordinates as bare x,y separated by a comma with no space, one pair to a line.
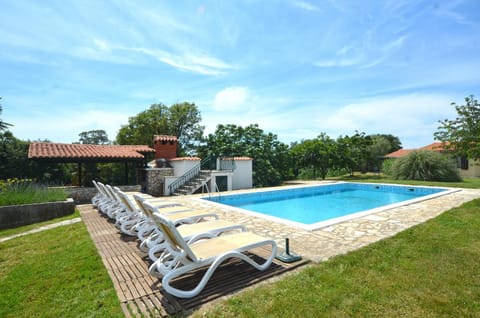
126,172
80,174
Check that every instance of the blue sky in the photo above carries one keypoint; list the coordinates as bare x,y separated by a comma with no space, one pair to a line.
295,67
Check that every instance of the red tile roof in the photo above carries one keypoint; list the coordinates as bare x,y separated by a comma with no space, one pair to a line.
164,138
399,153
185,158
47,150
237,158
436,146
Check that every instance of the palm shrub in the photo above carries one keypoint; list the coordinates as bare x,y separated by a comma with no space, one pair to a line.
425,165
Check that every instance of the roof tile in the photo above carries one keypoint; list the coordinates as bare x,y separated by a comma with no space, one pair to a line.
238,158
47,150
164,138
436,146
185,158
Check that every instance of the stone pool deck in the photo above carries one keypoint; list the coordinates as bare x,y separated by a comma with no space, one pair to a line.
321,244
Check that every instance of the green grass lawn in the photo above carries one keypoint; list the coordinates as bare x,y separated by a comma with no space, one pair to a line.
55,273
430,270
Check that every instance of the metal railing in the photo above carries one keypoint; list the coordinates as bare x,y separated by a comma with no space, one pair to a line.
189,175
227,163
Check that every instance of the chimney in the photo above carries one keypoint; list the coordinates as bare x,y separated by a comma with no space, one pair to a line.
165,146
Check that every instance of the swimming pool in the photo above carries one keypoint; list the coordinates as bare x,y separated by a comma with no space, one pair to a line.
312,207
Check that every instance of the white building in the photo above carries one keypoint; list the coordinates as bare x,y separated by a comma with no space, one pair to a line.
169,175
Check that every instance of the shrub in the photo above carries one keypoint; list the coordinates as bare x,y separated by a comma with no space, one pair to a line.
387,166
26,191
425,165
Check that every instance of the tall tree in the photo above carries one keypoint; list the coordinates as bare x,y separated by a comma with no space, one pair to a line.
394,141
14,163
270,156
13,157
381,145
353,152
184,121
3,125
318,154
462,134
141,128
180,120
95,137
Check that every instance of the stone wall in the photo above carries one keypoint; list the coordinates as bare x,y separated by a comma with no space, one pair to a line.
12,216
155,180
83,195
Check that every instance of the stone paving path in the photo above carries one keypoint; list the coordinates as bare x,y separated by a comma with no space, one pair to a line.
321,244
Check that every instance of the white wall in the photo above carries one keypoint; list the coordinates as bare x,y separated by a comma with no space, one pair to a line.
242,175
215,174
167,182
181,166
472,171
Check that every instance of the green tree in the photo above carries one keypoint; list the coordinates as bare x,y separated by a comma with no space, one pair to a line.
14,163
353,152
394,141
13,157
141,128
180,120
270,156
184,121
3,125
381,145
462,134
94,137
318,154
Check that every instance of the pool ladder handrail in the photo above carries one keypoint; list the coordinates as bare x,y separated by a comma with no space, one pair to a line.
217,190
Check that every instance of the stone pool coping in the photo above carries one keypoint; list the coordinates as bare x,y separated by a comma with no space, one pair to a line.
321,244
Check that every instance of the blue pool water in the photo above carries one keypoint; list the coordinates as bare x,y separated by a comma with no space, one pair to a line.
309,205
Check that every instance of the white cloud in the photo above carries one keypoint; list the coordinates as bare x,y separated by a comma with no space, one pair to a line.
232,99
341,62
306,6
363,54
414,118
448,10
103,50
202,64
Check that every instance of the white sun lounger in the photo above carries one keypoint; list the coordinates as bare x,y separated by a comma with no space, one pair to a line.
155,244
182,258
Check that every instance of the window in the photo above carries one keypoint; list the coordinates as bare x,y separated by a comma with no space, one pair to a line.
462,163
